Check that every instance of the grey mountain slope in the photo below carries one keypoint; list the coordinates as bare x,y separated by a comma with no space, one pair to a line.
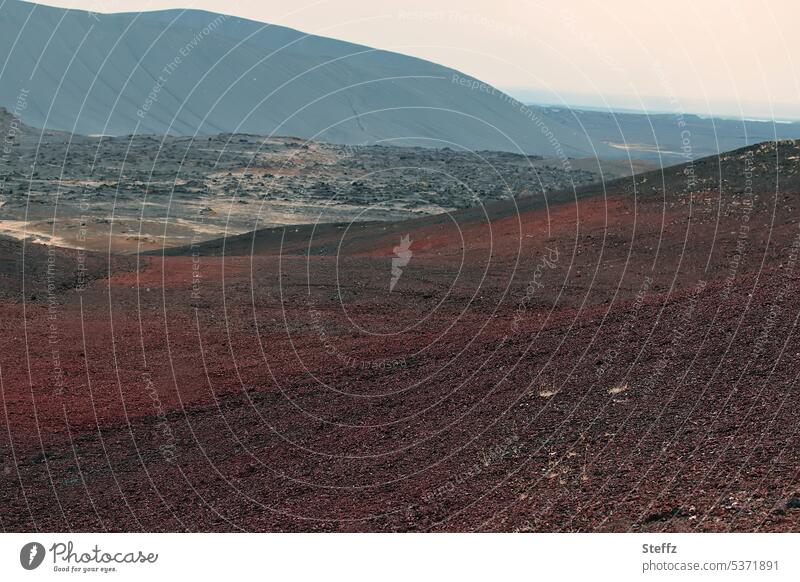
92,74
679,136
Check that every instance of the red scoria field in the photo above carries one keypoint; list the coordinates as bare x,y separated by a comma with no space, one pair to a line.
618,357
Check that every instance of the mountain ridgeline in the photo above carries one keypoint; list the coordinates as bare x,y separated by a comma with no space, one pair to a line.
189,72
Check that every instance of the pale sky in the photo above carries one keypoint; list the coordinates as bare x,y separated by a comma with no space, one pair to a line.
730,57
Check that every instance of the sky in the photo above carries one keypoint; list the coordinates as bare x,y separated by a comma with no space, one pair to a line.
733,58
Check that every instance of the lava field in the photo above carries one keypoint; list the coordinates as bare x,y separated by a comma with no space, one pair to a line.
620,356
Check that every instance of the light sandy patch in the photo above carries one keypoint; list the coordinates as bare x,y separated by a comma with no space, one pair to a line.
548,393
641,147
619,389
24,230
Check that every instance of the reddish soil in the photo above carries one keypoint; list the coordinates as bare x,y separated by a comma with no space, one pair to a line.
618,359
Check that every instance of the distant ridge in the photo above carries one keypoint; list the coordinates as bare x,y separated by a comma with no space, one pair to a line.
187,71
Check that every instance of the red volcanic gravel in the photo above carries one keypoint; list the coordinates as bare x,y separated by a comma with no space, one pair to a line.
610,361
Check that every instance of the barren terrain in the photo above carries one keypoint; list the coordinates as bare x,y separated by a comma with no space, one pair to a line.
139,193
620,357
